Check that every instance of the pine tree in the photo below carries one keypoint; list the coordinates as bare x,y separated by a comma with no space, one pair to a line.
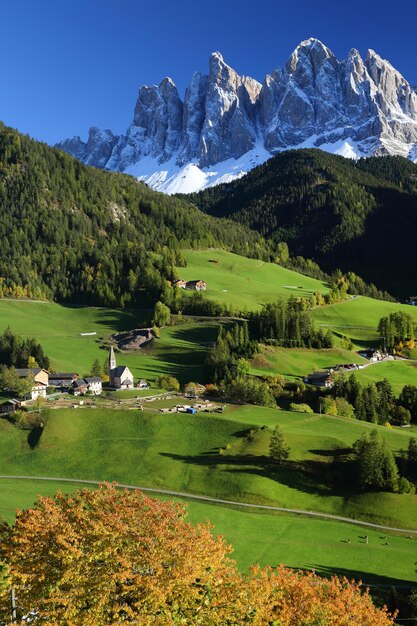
95,368
278,448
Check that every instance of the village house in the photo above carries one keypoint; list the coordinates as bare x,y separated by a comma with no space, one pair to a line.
194,390
79,387
372,354
320,379
95,385
90,384
192,285
62,379
120,376
40,380
10,406
142,384
196,285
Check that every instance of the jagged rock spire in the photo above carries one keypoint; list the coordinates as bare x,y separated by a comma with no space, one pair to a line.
314,100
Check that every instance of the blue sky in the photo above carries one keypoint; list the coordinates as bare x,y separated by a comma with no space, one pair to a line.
67,65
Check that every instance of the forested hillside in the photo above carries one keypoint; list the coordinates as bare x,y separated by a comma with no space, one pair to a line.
359,216
73,233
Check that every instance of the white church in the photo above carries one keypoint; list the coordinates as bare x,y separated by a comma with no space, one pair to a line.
120,376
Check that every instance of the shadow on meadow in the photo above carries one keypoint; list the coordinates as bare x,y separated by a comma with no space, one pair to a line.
309,476
34,436
121,320
203,335
368,578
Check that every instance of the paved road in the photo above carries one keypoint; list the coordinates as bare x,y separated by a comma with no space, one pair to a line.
192,496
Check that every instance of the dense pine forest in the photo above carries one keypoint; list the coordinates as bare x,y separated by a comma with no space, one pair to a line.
359,216
73,233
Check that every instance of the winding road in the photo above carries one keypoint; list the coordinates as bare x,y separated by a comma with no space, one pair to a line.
201,498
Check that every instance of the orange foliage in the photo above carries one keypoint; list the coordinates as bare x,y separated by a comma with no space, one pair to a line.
110,557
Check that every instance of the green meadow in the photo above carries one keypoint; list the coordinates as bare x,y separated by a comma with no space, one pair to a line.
211,455
298,362
358,318
218,456
294,540
399,373
181,350
245,283
295,363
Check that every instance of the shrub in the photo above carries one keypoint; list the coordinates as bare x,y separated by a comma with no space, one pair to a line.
301,407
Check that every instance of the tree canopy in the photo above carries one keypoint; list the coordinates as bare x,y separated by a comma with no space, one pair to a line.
108,556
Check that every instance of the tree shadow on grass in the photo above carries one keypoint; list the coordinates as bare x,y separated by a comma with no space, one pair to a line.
312,477
338,453
203,334
122,320
367,578
34,436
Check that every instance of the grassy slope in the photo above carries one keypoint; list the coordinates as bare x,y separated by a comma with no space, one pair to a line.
180,352
358,318
297,362
245,283
399,373
182,453
273,539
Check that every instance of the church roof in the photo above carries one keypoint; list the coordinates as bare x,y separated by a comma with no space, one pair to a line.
119,370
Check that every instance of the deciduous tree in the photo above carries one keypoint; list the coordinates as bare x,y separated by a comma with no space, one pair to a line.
107,556
278,448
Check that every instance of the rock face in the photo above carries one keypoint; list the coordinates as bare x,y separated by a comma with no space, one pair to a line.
133,339
356,107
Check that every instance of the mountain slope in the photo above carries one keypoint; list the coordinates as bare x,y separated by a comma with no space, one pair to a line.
227,123
359,216
75,233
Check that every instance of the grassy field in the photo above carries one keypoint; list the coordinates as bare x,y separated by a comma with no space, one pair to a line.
297,362
181,350
399,373
358,318
245,283
273,538
213,455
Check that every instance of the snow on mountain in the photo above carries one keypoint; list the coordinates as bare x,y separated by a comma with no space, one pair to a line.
229,123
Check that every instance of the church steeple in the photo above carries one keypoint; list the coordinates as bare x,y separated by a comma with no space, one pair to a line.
112,361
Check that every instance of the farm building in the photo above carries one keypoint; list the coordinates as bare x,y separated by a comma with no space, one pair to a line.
10,406
372,354
79,387
196,285
40,380
181,284
62,379
94,385
320,379
194,390
192,285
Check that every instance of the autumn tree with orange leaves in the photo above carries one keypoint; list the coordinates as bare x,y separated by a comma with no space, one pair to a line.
109,556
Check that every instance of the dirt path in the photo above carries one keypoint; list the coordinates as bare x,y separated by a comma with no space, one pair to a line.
246,505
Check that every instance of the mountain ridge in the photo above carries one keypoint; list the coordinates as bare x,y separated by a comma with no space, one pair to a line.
359,216
227,123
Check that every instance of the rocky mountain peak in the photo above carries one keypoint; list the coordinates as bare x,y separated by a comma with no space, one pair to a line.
229,123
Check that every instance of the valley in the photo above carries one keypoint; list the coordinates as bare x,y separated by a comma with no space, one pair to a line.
223,456
208,315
